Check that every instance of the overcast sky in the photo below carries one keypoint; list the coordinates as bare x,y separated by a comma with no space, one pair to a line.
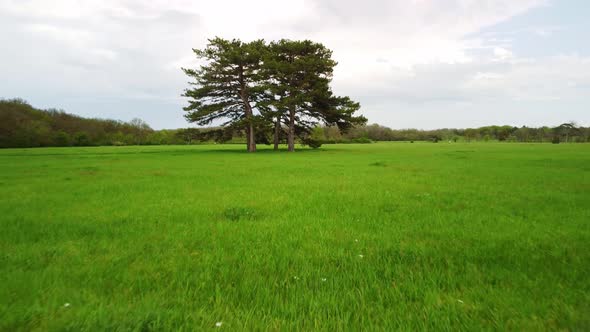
411,63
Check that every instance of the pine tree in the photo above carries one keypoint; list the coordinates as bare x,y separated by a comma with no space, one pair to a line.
228,86
299,75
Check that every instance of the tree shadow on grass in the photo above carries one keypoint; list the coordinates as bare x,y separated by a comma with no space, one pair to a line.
264,151
173,150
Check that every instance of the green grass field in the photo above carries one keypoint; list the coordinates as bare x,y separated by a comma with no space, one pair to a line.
348,237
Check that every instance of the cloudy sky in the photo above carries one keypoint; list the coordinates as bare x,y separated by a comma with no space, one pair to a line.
411,63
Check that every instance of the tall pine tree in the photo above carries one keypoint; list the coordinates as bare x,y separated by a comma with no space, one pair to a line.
299,75
228,86
298,72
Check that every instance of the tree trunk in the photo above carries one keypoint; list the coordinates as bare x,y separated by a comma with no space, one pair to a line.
247,138
291,136
251,139
250,134
277,131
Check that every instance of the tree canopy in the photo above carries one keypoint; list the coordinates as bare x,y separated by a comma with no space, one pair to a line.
283,84
227,86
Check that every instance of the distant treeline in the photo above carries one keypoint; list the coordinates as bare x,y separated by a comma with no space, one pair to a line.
567,132
22,125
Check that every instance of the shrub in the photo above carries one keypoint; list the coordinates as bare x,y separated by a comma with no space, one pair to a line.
62,139
362,140
312,143
81,139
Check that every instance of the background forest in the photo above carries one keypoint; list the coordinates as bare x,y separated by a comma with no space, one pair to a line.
22,125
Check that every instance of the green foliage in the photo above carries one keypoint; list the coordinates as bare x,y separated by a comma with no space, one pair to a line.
257,87
435,138
299,75
22,125
361,140
377,132
81,139
312,143
62,138
375,237
228,85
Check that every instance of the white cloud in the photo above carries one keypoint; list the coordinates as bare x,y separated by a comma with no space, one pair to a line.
389,52
502,54
482,76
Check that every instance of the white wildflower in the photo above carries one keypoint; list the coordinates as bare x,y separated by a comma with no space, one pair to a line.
324,279
66,305
361,256
218,324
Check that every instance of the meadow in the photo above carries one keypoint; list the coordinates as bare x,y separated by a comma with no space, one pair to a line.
383,236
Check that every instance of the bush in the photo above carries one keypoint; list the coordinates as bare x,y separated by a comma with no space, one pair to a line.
362,140
312,143
555,140
62,139
81,139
